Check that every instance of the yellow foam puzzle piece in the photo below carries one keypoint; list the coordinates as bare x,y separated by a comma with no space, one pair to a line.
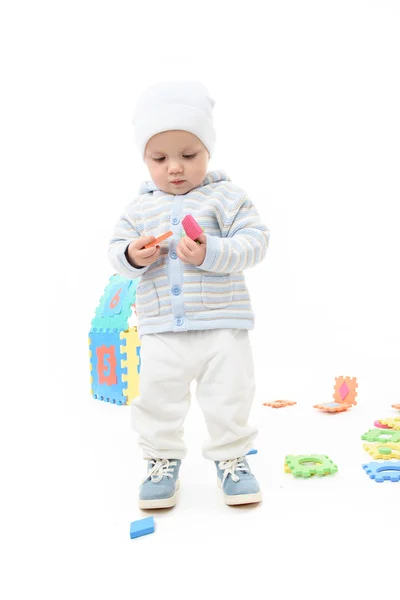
132,342
373,450
393,423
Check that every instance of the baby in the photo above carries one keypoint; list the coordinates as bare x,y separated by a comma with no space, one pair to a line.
193,306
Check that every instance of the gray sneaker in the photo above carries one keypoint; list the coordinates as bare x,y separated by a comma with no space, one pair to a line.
159,488
237,482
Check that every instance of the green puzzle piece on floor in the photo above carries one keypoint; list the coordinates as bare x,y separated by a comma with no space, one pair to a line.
382,435
300,465
384,450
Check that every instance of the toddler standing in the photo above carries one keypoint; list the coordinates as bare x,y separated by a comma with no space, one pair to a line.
193,306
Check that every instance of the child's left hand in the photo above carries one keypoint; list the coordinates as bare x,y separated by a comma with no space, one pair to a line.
190,251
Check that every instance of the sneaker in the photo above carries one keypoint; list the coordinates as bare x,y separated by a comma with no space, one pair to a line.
159,488
237,482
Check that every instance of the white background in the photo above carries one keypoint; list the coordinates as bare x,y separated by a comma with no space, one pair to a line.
307,118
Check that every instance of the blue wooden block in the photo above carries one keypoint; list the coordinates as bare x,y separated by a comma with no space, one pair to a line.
253,451
142,527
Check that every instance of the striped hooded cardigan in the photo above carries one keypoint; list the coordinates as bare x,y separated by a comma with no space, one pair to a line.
176,296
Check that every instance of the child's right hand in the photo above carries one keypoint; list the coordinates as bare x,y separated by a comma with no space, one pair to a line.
139,256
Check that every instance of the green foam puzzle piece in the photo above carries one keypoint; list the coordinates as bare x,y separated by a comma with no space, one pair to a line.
381,435
384,450
300,465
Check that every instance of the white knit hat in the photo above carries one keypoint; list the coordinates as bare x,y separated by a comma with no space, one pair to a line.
184,105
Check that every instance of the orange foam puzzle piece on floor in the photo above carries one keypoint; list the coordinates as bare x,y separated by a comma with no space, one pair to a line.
279,403
351,383
332,407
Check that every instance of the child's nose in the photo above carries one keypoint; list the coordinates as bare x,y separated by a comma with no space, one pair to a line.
175,168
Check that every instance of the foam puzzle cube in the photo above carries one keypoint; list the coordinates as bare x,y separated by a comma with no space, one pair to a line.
114,347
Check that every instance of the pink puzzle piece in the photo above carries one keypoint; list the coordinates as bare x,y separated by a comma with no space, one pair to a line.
343,390
381,425
191,227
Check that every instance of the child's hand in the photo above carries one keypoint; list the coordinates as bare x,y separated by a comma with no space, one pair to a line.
139,256
191,252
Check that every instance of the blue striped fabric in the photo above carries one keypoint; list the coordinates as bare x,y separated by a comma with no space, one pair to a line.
176,296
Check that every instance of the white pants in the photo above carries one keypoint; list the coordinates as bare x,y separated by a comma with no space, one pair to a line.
221,362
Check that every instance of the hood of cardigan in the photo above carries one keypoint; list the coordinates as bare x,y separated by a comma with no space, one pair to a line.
211,177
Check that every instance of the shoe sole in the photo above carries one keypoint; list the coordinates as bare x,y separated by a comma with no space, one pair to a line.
236,500
160,502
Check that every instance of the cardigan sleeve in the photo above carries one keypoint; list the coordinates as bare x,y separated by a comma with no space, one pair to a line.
125,231
244,240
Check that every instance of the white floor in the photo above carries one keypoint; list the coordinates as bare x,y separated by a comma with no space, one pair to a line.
307,122
71,509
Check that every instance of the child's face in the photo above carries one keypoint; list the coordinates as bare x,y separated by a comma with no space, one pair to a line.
176,155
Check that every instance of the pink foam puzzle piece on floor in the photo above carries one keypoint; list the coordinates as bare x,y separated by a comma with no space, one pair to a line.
343,390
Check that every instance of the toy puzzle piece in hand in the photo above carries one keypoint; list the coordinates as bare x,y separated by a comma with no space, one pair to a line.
191,227
160,239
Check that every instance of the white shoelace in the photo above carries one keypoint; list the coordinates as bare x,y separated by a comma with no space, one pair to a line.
162,468
230,466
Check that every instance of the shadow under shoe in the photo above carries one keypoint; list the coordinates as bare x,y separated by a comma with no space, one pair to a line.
238,483
160,487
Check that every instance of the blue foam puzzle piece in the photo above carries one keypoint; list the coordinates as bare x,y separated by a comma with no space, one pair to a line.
113,393
142,527
253,451
386,470
332,404
115,305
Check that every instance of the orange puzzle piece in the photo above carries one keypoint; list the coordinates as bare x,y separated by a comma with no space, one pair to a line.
396,406
279,403
162,237
348,383
332,407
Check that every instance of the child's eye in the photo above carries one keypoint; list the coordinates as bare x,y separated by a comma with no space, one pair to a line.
184,156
